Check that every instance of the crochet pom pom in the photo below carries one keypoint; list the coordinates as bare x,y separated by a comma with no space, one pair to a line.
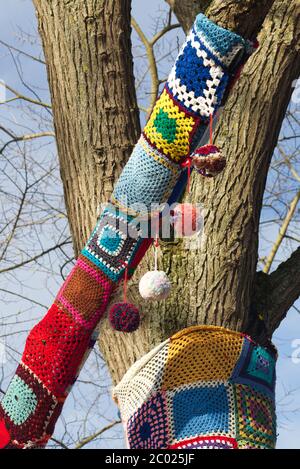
155,285
187,219
124,317
208,160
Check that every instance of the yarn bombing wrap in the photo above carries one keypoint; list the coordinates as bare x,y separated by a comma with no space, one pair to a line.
59,344
206,387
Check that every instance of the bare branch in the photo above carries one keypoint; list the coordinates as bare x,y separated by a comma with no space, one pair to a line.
282,233
244,17
22,97
152,63
284,289
35,258
29,56
24,138
90,438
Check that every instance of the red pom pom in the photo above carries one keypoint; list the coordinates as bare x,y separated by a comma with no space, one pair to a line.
208,160
124,317
187,219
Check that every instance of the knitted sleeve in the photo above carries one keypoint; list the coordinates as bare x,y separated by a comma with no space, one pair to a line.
58,345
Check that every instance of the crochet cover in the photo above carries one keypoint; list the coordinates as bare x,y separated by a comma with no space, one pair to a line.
58,345
206,387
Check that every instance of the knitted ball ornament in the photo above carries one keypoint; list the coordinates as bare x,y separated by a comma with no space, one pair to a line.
155,285
208,160
187,219
124,317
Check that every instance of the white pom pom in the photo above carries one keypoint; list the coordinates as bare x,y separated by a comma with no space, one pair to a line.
155,285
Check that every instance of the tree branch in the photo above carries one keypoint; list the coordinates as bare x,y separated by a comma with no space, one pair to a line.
90,438
22,97
244,17
149,46
186,10
23,138
35,258
29,56
284,290
282,233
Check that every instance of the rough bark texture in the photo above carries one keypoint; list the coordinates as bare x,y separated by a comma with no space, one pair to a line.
277,292
87,48
187,10
244,17
216,285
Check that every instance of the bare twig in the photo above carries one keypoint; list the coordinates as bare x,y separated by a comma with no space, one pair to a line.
282,232
90,438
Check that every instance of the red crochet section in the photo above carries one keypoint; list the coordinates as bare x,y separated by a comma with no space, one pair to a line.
4,435
54,350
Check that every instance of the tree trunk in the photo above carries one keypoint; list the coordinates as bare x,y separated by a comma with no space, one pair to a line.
216,286
87,48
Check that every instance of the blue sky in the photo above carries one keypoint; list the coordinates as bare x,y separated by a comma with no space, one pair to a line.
19,15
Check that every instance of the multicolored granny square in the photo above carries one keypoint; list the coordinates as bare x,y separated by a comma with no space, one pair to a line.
170,128
203,414
206,442
196,81
86,293
148,427
28,407
256,416
114,242
201,409
147,179
255,367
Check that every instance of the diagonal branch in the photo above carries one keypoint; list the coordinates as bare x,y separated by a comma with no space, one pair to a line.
284,289
22,97
90,438
149,47
244,17
29,56
282,232
24,138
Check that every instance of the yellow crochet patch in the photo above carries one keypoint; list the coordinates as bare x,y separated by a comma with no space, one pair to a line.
169,128
204,354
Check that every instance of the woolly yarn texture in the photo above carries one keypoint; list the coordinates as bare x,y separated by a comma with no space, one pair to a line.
59,344
204,387
155,285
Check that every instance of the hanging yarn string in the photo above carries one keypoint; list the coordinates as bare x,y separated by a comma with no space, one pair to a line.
155,284
208,160
187,219
124,317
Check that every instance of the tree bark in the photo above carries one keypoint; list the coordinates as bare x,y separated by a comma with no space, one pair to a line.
88,52
244,17
87,48
216,286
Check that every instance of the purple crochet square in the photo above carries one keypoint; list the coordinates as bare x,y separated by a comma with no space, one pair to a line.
148,426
